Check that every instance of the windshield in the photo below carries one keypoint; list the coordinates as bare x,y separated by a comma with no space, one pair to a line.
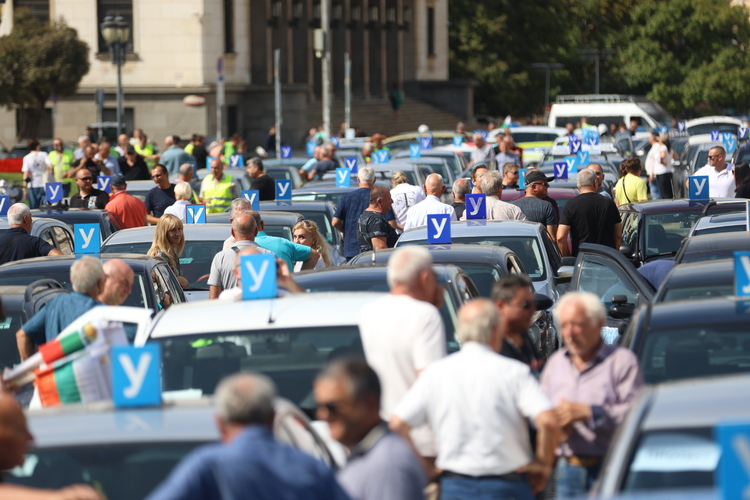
118,471
706,128
292,357
687,458
695,351
657,113
665,231
334,198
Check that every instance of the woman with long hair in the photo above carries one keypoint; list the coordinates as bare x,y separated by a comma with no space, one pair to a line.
742,180
306,233
169,241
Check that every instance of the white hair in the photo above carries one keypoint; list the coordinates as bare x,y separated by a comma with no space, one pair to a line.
586,178
477,321
591,304
17,212
491,182
183,191
245,398
85,274
406,263
239,205
366,175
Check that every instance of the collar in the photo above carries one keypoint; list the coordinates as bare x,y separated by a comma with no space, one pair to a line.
369,441
116,194
261,234
474,346
433,197
601,352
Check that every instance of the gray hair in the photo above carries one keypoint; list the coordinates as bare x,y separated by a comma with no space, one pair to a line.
406,263
17,212
256,216
461,188
586,179
183,191
360,378
491,183
507,167
240,205
85,274
256,162
366,175
592,305
245,398
185,168
477,321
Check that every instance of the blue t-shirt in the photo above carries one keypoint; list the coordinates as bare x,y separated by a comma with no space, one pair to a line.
350,208
56,315
254,466
283,248
158,200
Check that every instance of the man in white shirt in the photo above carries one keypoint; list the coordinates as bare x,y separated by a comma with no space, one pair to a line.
477,403
434,189
720,174
652,158
491,184
403,333
483,152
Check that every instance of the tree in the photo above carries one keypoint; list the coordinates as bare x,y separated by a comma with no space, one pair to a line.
37,60
688,54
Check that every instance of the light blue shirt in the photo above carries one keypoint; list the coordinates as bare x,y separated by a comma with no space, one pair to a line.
173,157
111,163
283,248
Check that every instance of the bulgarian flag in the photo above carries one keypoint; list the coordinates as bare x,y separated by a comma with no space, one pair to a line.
83,379
67,343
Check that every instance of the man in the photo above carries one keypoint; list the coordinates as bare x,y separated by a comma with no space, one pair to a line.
218,189
347,393
229,148
16,243
304,172
186,175
197,148
405,196
484,151
87,278
434,189
123,141
351,206
129,209
461,188
491,185
284,278
511,175
588,218
173,155
133,166
721,182
238,206
104,158
160,197
534,206
249,463
284,249
60,160
597,169
403,333
88,196
592,386
630,188
373,230
652,158
222,277
634,122
14,443
479,416
326,164
264,183
514,298
83,143
118,284
476,177
88,163
144,148
34,170
506,154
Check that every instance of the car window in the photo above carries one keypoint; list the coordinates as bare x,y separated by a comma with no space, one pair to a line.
8,348
630,229
720,229
664,232
698,292
605,279
483,276
169,279
322,220
278,231
64,242
46,235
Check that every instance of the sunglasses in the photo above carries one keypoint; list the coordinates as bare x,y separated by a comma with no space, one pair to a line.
85,178
524,304
332,407
711,157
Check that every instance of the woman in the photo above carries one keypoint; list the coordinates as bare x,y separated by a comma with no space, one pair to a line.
664,169
169,241
404,197
742,180
306,233
182,193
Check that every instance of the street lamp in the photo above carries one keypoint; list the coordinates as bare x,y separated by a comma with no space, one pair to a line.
116,32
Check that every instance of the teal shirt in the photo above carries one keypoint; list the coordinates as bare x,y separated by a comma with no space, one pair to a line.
284,249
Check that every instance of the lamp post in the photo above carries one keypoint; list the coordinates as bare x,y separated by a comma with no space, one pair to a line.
596,55
116,32
548,68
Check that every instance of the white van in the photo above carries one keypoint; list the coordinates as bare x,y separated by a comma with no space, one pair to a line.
608,109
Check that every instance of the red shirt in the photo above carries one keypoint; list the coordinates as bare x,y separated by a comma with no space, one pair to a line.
128,208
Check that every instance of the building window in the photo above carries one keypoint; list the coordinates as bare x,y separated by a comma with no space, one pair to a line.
38,8
114,8
430,31
229,26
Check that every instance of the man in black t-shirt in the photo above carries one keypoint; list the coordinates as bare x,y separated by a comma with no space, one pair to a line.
133,166
17,243
373,230
264,183
160,197
589,218
87,196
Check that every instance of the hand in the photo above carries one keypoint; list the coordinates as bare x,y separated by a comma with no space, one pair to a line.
538,472
568,413
77,492
651,178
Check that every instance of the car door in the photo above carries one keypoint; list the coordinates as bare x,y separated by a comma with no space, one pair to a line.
606,273
169,280
64,239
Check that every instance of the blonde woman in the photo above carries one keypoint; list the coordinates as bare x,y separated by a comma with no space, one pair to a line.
169,241
306,233
182,193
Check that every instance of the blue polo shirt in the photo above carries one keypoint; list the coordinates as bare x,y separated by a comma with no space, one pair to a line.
254,466
158,200
350,208
283,248
56,315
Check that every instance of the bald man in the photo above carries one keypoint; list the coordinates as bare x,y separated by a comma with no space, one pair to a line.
434,189
119,282
14,441
283,276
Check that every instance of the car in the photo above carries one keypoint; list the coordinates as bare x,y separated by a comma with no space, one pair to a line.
108,223
655,229
54,232
283,171
403,141
239,177
275,223
608,168
533,140
125,453
697,281
439,165
712,247
384,172
667,442
140,189
720,223
456,160
706,124
528,240
327,191
321,212
459,288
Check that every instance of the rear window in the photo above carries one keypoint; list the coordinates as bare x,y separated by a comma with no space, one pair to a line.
720,229
698,292
665,231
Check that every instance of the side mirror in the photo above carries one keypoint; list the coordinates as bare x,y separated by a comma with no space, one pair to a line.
565,272
621,309
542,302
626,250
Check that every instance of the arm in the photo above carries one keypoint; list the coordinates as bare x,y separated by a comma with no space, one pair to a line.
663,156
310,262
284,278
104,168
338,224
379,243
74,492
540,469
213,292
552,230
562,239
150,219
25,345
618,235
55,251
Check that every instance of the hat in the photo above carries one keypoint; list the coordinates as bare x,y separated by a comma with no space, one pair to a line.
129,150
536,176
118,180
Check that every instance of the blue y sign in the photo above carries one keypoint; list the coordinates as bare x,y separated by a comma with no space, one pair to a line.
572,163
87,238
681,126
258,276
343,178
742,133
698,187
352,163
335,140
4,205
734,464
382,156
284,189
715,136
574,143
426,142
235,161
476,206
561,170
415,151
135,375
458,140
730,143
742,274
286,152
438,228
253,195
582,158
310,148
53,192
522,179
196,214
104,183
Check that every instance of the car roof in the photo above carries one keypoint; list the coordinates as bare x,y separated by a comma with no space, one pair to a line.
720,241
672,205
73,213
270,217
717,220
4,224
204,232
697,273
136,261
364,272
713,119
307,205
442,254
711,311
467,229
426,152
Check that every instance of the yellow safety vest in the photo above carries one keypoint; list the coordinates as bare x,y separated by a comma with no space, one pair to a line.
61,164
218,195
189,148
228,150
147,151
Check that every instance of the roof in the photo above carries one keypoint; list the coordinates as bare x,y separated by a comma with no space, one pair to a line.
445,254
270,217
716,220
712,311
701,273
364,273
673,205
713,119
467,229
133,260
292,206
720,241
205,232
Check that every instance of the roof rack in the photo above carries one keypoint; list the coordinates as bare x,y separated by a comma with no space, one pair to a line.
587,98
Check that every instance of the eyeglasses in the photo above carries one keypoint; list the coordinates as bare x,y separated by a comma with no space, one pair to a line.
711,157
308,223
86,179
331,407
513,172
524,304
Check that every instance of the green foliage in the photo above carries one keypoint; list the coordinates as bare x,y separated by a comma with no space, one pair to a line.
36,60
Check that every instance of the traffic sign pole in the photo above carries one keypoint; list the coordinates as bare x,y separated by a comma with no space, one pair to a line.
219,97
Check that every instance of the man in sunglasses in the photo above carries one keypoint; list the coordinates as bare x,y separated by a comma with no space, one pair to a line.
160,197
721,183
87,196
514,299
534,206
